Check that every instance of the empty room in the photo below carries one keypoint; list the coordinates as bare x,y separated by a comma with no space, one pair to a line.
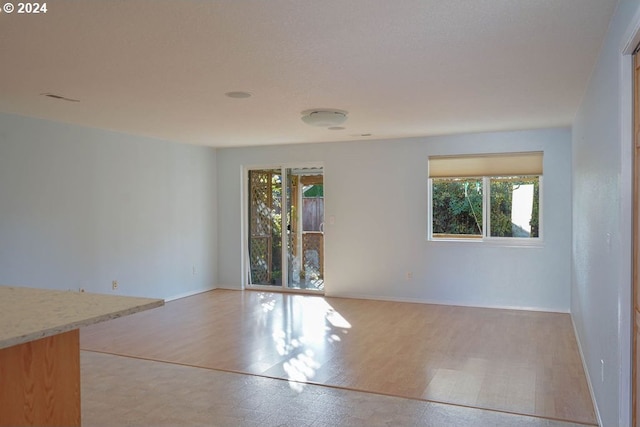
418,212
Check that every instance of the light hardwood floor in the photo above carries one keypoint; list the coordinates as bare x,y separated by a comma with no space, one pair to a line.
119,391
513,361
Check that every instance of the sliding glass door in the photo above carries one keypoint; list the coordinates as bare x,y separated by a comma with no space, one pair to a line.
305,224
265,227
286,228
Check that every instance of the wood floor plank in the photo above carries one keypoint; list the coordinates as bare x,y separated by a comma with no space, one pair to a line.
506,360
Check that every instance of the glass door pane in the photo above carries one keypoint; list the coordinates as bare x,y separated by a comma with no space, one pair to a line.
305,228
265,227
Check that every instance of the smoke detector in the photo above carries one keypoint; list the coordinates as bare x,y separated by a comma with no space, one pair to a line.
324,117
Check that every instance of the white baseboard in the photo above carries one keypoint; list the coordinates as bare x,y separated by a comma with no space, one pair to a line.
442,302
387,298
586,373
188,294
229,287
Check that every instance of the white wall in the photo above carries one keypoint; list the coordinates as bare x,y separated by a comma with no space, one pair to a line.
601,288
81,207
377,191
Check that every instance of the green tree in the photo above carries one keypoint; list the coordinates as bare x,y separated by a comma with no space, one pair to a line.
276,226
501,203
457,206
535,210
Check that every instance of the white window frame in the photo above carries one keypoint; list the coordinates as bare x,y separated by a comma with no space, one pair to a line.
486,220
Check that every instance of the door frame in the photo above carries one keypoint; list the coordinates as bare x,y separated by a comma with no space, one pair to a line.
635,318
630,213
244,234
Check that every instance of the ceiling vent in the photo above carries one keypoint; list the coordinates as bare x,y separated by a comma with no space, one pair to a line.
59,97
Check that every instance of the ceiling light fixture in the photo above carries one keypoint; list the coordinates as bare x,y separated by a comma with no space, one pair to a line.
324,117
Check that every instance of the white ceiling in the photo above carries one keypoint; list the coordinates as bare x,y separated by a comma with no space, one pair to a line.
400,68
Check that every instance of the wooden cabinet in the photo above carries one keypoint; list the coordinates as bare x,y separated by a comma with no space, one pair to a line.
40,382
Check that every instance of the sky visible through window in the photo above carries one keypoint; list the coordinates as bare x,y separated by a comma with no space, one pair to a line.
522,206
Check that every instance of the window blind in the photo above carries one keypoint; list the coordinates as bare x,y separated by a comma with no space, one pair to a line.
476,165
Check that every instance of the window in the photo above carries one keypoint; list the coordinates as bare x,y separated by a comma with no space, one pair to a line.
485,197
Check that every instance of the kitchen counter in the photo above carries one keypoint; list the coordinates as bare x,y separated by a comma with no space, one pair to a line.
27,314
40,350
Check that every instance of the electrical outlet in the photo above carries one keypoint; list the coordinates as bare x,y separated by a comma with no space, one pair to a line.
409,275
602,370
114,285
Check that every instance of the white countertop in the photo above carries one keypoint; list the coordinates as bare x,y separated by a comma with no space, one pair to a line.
28,314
